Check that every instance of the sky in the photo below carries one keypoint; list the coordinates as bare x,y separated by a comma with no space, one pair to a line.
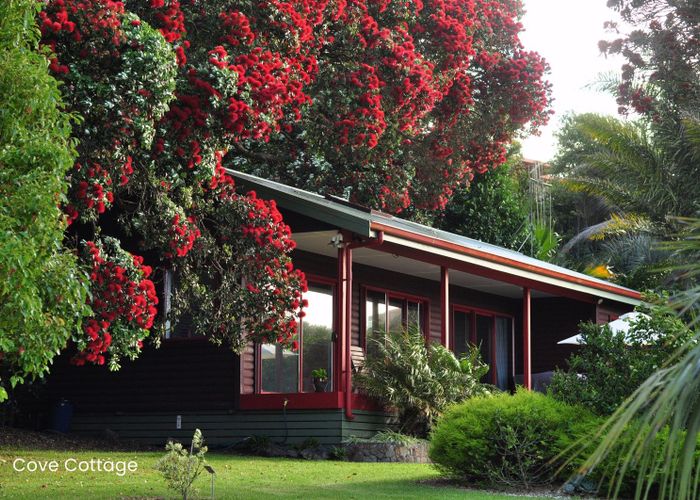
566,33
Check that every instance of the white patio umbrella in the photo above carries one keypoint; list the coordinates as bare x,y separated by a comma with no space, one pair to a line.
619,326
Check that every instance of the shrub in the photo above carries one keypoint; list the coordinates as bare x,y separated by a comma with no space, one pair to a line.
181,467
419,380
513,440
609,367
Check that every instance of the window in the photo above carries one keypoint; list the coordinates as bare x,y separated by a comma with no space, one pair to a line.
493,334
283,370
389,312
183,328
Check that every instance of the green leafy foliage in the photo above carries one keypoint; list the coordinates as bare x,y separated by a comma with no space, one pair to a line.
609,367
621,181
181,467
508,439
491,208
419,380
42,292
655,431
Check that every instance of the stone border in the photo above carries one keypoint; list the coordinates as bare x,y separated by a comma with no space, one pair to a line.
370,451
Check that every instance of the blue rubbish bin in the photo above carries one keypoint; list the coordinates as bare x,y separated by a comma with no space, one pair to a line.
61,416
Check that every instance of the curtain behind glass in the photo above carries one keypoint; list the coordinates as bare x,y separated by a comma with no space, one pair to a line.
503,351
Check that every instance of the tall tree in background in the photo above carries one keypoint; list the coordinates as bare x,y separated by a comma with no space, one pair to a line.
42,292
392,103
493,208
623,177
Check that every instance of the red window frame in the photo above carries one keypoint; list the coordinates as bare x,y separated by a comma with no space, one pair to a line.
311,280
476,311
388,295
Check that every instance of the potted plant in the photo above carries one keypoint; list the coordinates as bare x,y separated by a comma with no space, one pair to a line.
320,378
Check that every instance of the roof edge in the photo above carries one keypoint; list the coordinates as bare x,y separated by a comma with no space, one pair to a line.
489,257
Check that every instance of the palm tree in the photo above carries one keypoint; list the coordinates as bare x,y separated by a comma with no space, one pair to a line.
641,173
658,426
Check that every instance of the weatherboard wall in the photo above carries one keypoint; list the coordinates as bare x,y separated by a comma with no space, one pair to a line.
223,429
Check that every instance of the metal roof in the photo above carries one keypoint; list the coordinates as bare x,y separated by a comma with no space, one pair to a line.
364,222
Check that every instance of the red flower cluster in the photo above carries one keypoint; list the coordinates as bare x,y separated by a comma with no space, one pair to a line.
91,189
123,301
265,225
365,122
184,232
83,21
168,18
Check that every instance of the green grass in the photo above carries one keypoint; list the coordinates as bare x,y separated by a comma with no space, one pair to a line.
237,477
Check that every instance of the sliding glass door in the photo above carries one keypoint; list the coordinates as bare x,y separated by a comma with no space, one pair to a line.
492,334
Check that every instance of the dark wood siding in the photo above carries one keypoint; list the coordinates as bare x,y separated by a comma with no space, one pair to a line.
554,319
472,298
609,312
222,429
181,375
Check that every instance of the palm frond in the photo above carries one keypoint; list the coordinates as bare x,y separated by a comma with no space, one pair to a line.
659,424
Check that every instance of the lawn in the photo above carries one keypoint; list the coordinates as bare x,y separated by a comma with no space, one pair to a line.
237,477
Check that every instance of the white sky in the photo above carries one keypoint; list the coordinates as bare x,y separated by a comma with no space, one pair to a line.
566,34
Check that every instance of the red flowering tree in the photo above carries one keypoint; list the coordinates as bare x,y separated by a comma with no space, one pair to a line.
660,76
149,179
392,103
410,100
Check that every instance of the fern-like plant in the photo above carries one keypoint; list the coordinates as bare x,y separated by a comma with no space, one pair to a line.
180,467
419,379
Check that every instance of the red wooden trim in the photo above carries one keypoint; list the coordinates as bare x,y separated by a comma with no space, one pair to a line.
444,305
257,368
320,279
388,295
527,366
341,336
348,331
458,265
295,401
446,245
480,311
396,295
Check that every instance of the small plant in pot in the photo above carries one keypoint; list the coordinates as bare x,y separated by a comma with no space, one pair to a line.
320,378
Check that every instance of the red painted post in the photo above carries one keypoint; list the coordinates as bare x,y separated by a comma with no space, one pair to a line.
445,306
348,334
341,337
527,365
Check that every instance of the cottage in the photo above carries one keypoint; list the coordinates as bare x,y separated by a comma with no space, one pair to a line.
368,272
